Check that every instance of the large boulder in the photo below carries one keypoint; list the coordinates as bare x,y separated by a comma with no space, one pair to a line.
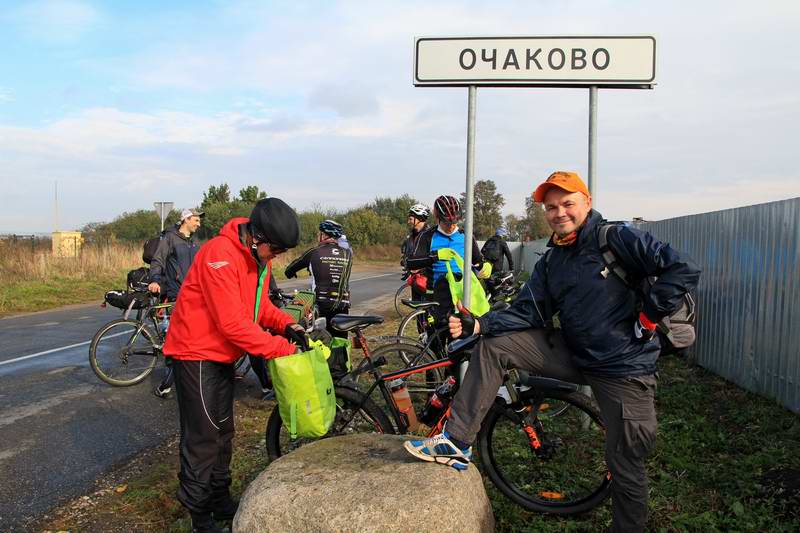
362,483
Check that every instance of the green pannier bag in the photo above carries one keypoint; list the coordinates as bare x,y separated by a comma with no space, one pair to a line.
479,304
304,390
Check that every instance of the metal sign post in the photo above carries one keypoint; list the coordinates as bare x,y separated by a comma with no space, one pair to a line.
467,279
163,209
592,163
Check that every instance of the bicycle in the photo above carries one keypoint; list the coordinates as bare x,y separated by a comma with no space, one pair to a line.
124,351
546,464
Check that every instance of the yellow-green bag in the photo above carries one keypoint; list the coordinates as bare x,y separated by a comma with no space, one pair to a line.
479,304
304,390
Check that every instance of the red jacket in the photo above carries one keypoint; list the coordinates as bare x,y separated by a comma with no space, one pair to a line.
213,316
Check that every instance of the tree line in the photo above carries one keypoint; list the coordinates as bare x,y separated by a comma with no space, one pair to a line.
382,221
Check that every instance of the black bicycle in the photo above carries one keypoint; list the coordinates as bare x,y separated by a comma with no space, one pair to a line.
124,351
543,463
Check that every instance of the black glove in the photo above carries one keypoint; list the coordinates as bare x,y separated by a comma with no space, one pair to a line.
289,274
467,323
434,256
296,334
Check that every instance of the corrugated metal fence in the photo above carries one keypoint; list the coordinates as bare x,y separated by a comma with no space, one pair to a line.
749,294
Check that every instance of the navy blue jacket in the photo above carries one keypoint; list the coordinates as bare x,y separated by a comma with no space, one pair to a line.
172,260
597,313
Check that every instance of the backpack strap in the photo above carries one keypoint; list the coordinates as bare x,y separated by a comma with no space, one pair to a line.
548,299
612,264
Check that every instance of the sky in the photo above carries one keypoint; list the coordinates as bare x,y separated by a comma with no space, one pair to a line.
128,103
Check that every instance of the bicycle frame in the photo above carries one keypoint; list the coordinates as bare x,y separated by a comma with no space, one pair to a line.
382,380
530,424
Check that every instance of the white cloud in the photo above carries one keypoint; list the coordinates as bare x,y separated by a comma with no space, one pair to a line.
324,110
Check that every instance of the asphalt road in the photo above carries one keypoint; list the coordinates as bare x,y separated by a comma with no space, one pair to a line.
61,427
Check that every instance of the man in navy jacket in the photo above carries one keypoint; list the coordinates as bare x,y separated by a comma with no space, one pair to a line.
605,340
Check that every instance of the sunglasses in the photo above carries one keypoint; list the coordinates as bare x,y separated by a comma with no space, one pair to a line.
272,248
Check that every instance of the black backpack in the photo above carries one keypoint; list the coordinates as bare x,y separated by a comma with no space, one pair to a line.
491,250
139,279
150,248
676,331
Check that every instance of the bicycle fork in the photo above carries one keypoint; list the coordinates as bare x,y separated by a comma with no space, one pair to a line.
531,425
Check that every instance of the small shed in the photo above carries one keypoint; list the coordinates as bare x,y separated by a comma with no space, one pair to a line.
67,243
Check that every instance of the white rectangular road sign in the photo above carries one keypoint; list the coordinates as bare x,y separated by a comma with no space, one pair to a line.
621,61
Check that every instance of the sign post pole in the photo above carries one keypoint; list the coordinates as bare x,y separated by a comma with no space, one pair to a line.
593,144
469,195
163,209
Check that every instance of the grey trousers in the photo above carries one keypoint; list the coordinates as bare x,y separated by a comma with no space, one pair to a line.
626,405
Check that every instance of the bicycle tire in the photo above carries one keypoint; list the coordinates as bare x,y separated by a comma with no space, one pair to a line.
105,352
574,480
408,327
404,291
370,417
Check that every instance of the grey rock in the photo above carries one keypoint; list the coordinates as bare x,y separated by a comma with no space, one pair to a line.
362,483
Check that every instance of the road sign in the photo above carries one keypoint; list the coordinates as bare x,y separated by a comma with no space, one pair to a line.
163,209
620,61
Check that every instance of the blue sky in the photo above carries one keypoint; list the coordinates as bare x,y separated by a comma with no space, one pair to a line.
126,103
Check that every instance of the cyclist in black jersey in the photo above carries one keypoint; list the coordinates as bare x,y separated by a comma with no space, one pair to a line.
329,265
417,217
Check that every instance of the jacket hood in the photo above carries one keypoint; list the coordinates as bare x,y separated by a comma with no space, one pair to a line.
230,231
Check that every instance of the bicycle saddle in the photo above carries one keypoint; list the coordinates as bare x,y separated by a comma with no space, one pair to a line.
421,304
348,322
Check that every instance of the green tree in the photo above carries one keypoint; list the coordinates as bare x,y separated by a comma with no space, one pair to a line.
135,226
217,214
216,194
537,226
364,227
251,194
395,209
486,216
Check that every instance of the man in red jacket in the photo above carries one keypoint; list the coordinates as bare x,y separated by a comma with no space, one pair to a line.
224,311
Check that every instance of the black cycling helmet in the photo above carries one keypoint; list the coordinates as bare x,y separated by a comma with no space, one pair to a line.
447,208
274,222
331,228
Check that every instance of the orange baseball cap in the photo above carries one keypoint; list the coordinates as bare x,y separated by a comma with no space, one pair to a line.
568,181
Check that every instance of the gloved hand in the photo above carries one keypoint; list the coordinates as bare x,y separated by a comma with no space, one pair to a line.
644,328
485,271
461,324
296,334
289,275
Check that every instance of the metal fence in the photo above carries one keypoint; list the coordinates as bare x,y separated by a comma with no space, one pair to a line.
749,294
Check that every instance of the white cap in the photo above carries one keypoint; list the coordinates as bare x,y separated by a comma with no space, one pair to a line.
186,213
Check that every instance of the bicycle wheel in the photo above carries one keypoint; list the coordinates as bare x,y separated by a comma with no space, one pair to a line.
412,327
123,352
403,354
368,419
567,474
403,292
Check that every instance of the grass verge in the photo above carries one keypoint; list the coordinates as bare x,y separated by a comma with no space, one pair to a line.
726,460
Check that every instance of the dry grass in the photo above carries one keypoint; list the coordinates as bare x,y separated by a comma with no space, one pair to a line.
32,279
